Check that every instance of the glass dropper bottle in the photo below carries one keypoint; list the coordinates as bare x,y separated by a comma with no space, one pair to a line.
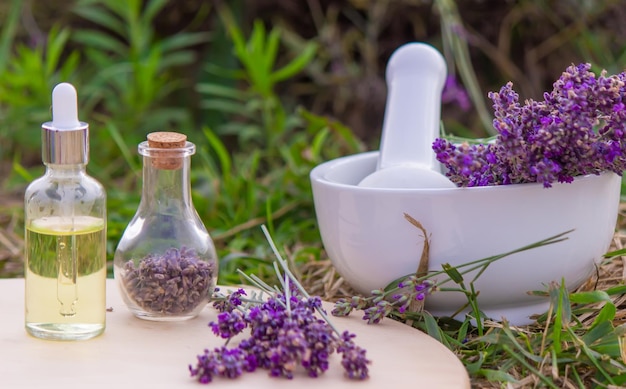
65,242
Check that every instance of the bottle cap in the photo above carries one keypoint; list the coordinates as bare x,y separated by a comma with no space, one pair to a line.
168,149
65,140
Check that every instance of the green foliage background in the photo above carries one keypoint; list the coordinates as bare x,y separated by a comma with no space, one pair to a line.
266,89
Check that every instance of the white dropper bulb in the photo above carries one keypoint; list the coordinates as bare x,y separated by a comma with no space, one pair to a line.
65,107
65,139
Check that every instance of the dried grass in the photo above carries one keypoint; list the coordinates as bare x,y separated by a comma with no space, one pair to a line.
611,272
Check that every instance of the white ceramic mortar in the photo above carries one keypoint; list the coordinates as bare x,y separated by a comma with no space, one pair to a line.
371,243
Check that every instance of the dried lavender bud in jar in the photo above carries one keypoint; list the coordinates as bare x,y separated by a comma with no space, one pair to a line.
170,284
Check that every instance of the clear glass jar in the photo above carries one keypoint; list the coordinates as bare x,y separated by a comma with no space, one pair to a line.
165,263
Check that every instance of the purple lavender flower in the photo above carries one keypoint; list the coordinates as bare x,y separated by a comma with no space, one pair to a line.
353,358
422,289
229,302
381,304
206,367
321,340
455,93
578,129
289,349
377,312
228,324
224,362
343,306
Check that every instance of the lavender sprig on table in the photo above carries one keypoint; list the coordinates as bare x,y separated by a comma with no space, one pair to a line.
381,304
286,332
579,128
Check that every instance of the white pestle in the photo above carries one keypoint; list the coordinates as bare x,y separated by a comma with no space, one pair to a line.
415,76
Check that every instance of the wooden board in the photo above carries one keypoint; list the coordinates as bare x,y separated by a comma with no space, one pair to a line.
143,354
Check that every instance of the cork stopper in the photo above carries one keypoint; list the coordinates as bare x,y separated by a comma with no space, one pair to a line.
167,141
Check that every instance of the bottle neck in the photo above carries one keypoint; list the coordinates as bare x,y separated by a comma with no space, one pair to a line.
166,191
65,170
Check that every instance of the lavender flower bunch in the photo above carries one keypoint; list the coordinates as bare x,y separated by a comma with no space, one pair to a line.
286,332
579,128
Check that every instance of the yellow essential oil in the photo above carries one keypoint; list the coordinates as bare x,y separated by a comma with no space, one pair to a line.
65,277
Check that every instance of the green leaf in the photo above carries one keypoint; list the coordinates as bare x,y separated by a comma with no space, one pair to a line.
233,30
606,314
228,106
615,253
151,9
462,331
296,65
7,34
172,60
593,356
566,305
104,19
256,45
556,304
68,69
121,8
496,375
620,379
318,143
21,170
119,140
474,368
616,290
530,367
316,122
432,328
251,184
56,43
222,91
183,40
223,72
598,331
592,297
101,41
221,151
271,50
254,60
453,273
519,344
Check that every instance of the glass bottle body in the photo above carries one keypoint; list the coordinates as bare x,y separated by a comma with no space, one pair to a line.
65,254
165,263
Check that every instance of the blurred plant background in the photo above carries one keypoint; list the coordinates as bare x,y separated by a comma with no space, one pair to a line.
266,89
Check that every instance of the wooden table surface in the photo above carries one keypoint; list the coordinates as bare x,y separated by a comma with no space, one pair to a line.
144,354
